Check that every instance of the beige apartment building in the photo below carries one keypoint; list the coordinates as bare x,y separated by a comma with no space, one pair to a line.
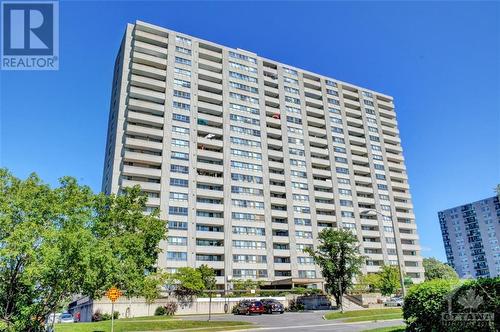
248,159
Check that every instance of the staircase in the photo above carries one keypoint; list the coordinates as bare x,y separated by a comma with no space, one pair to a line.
350,303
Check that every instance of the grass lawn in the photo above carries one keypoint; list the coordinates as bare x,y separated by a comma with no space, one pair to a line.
151,324
366,315
399,328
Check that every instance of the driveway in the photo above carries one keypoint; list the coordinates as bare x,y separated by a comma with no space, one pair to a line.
299,321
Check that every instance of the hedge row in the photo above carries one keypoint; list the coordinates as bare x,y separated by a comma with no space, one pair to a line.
447,305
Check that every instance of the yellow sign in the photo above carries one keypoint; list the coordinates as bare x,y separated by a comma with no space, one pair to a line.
113,294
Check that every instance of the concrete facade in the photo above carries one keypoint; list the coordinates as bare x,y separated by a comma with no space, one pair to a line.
248,159
471,238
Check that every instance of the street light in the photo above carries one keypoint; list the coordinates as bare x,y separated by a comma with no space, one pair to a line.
401,277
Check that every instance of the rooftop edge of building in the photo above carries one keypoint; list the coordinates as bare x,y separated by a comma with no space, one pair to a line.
167,31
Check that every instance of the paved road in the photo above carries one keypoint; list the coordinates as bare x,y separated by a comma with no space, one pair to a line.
299,321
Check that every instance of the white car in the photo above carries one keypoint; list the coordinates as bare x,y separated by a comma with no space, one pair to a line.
67,318
394,302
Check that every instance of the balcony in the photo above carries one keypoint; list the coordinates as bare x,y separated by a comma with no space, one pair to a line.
143,144
145,106
140,130
153,50
148,95
144,70
148,186
149,60
141,171
142,158
145,118
210,179
150,38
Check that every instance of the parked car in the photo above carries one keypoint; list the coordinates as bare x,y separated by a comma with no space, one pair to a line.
53,318
272,305
394,302
248,307
67,318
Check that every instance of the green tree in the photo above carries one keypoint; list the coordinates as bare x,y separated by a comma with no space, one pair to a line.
388,279
188,282
339,259
56,242
434,269
208,277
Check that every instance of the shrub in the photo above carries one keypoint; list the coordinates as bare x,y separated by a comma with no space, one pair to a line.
97,316
107,316
475,296
294,305
171,308
160,311
424,304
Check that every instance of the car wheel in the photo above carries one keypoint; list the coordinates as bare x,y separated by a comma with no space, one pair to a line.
282,312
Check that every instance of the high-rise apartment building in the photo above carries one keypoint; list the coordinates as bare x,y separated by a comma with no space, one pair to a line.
470,235
248,159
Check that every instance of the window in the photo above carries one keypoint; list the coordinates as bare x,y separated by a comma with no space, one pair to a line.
291,90
293,110
178,211
179,169
337,130
382,186
177,240
247,131
296,152
298,197
344,202
310,274
347,214
299,185
242,141
180,142
178,196
183,72
249,259
177,225
305,260
242,77
335,120
333,101
292,100
380,176
249,166
302,221
176,256
182,61
249,244
294,120
368,102
244,119
301,209
303,234
290,71
180,117
290,80
246,216
247,191
248,230
247,204
342,170
295,162
182,83
246,178
179,155
345,192
378,166
339,149
182,94
343,181
242,67
183,40
332,92
244,87
178,182
242,57
338,139
341,160
183,50
180,130
242,108
241,97
246,154
330,83
299,174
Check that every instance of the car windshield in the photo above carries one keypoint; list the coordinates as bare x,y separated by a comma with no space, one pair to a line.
66,316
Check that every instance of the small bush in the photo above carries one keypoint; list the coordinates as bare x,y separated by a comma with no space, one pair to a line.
97,316
294,305
160,311
171,308
424,304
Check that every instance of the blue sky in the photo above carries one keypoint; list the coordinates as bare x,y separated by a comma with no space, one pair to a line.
440,61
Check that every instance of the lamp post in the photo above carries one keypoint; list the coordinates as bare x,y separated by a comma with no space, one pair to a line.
401,277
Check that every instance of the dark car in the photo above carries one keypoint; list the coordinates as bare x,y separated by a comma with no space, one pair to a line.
272,305
249,307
